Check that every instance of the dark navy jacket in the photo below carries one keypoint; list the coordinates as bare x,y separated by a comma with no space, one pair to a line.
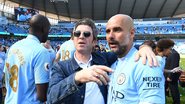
62,88
172,61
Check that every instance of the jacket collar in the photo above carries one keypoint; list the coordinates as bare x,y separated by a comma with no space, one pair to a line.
75,65
96,60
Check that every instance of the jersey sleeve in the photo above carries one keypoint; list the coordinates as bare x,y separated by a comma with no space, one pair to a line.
41,67
150,84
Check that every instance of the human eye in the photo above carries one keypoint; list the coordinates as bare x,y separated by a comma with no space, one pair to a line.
107,31
117,29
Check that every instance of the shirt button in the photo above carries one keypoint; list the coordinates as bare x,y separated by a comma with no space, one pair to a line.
82,96
73,88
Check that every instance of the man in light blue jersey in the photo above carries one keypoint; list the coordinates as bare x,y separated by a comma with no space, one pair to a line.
66,51
132,82
26,68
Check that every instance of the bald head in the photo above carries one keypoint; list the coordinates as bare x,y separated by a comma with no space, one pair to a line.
120,34
39,26
124,19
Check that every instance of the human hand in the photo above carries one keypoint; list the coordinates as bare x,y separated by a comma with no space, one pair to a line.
176,70
168,79
146,52
95,73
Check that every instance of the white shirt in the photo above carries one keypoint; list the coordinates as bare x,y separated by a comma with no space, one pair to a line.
93,94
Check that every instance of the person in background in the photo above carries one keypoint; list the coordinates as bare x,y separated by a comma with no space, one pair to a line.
66,51
97,48
102,48
182,79
2,63
132,82
164,49
172,61
5,49
26,72
48,46
161,51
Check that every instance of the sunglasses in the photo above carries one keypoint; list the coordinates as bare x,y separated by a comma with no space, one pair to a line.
85,33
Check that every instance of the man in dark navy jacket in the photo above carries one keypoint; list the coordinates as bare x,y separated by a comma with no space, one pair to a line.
172,61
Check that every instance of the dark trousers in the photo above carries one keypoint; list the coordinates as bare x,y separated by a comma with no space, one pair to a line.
174,89
1,96
167,93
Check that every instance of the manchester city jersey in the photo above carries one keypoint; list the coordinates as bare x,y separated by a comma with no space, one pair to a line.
134,83
66,50
26,66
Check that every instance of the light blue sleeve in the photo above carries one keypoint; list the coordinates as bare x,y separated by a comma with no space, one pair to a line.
41,67
150,84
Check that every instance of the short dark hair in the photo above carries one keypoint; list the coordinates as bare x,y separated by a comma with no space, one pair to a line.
164,44
150,43
88,22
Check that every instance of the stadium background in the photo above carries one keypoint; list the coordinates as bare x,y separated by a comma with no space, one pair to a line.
153,19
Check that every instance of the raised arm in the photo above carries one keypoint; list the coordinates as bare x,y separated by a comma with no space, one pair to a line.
146,53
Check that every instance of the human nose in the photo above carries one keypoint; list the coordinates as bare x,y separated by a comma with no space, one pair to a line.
110,34
81,35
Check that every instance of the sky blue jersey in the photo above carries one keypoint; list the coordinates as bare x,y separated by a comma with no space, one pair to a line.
26,66
66,50
135,83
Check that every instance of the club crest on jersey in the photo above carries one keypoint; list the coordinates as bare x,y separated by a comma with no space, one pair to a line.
121,78
46,66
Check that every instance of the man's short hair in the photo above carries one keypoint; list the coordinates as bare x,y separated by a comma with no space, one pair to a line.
164,44
89,22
